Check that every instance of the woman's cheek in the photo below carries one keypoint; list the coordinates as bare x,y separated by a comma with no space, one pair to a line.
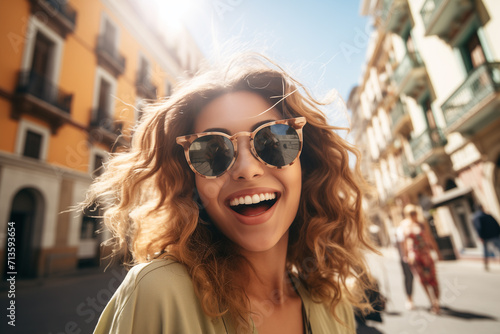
208,189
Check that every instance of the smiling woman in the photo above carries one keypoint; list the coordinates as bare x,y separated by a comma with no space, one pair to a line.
240,211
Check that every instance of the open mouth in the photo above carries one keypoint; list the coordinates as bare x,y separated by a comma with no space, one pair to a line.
253,205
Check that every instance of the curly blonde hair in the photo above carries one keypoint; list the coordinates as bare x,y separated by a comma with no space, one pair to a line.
151,204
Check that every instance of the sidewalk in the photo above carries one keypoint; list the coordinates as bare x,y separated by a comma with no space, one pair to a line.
470,298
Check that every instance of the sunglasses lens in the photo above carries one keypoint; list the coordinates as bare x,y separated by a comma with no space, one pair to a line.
211,155
277,144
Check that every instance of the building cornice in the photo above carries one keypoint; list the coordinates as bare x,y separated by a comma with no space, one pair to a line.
29,164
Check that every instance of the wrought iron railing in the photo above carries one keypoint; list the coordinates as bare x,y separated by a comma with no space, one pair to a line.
410,61
145,87
428,10
426,142
108,47
33,83
480,83
64,9
386,7
409,170
397,113
102,119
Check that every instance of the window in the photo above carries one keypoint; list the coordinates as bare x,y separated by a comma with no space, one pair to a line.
140,104
109,35
104,97
105,88
98,165
472,52
42,55
168,89
89,227
32,140
32,145
143,76
43,51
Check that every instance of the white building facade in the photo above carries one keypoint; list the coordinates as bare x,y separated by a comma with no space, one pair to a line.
426,114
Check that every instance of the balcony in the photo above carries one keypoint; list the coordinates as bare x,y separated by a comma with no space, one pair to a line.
145,88
401,121
104,129
444,18
409,76
410,170
40,97
108,57
428,146
394,14
475,103
61,16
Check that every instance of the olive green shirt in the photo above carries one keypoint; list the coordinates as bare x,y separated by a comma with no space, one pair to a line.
159,298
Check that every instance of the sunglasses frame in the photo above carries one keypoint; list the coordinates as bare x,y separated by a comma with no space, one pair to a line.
296,123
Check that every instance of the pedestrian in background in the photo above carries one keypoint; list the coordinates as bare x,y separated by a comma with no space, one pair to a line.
417,248
407,273
239,208
488,230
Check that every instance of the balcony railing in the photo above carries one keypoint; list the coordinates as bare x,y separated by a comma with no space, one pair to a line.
393,13
102,119
410,170
410,61
42,88
482,82
59,11
105,129
145,87
428,11
443,18
64,9
109,56
397,113
427,141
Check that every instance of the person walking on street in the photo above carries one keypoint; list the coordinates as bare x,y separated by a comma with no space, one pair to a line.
488,229
417,254
407,274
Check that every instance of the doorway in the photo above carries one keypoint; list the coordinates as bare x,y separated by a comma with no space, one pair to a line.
27,214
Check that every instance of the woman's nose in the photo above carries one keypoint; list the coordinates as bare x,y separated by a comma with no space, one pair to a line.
246,166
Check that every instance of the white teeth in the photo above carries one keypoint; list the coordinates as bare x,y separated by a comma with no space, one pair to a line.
254,199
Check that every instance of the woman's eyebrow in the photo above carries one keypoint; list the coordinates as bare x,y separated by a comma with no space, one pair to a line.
223,130
226,131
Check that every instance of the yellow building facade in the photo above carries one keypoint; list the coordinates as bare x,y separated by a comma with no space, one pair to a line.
74,77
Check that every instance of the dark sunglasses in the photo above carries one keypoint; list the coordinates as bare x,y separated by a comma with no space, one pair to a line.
276,144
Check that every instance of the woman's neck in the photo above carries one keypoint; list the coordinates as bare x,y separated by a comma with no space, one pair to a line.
267,279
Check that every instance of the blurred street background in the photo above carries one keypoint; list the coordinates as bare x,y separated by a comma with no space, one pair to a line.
417,81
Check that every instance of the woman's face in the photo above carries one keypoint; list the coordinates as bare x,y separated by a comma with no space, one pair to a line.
257,227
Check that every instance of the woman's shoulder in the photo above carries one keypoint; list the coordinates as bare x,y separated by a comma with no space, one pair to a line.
156,297
163,268
163,276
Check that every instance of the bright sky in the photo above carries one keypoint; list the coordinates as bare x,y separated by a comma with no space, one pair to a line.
321,42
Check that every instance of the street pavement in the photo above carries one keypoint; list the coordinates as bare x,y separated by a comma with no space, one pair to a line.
470,300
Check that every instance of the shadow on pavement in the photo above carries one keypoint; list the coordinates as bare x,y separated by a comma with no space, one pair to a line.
447,311
364,329
393,313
